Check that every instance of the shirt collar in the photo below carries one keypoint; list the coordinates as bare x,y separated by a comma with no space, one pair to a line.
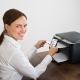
12,41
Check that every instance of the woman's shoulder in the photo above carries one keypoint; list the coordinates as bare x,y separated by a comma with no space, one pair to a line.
7,50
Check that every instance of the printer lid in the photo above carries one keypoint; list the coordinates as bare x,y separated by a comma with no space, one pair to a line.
72,36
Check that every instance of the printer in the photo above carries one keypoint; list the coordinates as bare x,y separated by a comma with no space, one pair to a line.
71,40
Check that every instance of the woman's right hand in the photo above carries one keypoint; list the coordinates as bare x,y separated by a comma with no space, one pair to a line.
52,50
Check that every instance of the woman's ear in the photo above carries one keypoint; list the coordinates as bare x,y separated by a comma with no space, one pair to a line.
6,27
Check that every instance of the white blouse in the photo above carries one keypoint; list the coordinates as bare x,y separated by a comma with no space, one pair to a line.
14,64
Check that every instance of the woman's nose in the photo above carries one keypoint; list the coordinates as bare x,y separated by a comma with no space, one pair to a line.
23,29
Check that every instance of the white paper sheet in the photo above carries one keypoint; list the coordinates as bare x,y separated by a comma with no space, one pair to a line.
60,57
60,45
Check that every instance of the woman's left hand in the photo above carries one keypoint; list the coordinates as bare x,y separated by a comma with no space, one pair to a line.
40,43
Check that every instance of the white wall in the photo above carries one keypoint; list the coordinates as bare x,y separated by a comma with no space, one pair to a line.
45,18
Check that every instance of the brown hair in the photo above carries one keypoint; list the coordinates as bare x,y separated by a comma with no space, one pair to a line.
10,16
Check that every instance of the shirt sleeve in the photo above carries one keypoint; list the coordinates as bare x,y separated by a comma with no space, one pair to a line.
31,52
25,68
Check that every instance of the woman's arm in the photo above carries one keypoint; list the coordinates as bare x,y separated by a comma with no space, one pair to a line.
21,64
31,52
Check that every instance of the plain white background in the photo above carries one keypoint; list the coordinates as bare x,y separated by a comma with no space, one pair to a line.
45,18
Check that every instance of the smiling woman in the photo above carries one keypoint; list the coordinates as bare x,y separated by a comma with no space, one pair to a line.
13,63
16,26
12,19
17,29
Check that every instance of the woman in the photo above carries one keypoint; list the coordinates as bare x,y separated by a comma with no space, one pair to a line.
13,63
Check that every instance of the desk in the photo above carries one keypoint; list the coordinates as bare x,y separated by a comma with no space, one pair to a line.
65,71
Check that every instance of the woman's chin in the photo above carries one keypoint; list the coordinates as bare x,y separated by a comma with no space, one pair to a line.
21,39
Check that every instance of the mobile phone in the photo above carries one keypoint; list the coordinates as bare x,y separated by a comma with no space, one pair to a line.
53,41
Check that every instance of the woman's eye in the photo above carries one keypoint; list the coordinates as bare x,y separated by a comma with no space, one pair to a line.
25,26
18,26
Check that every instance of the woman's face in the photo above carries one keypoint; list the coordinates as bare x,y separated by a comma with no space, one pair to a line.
17,29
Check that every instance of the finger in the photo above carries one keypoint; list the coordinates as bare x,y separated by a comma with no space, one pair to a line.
41,45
